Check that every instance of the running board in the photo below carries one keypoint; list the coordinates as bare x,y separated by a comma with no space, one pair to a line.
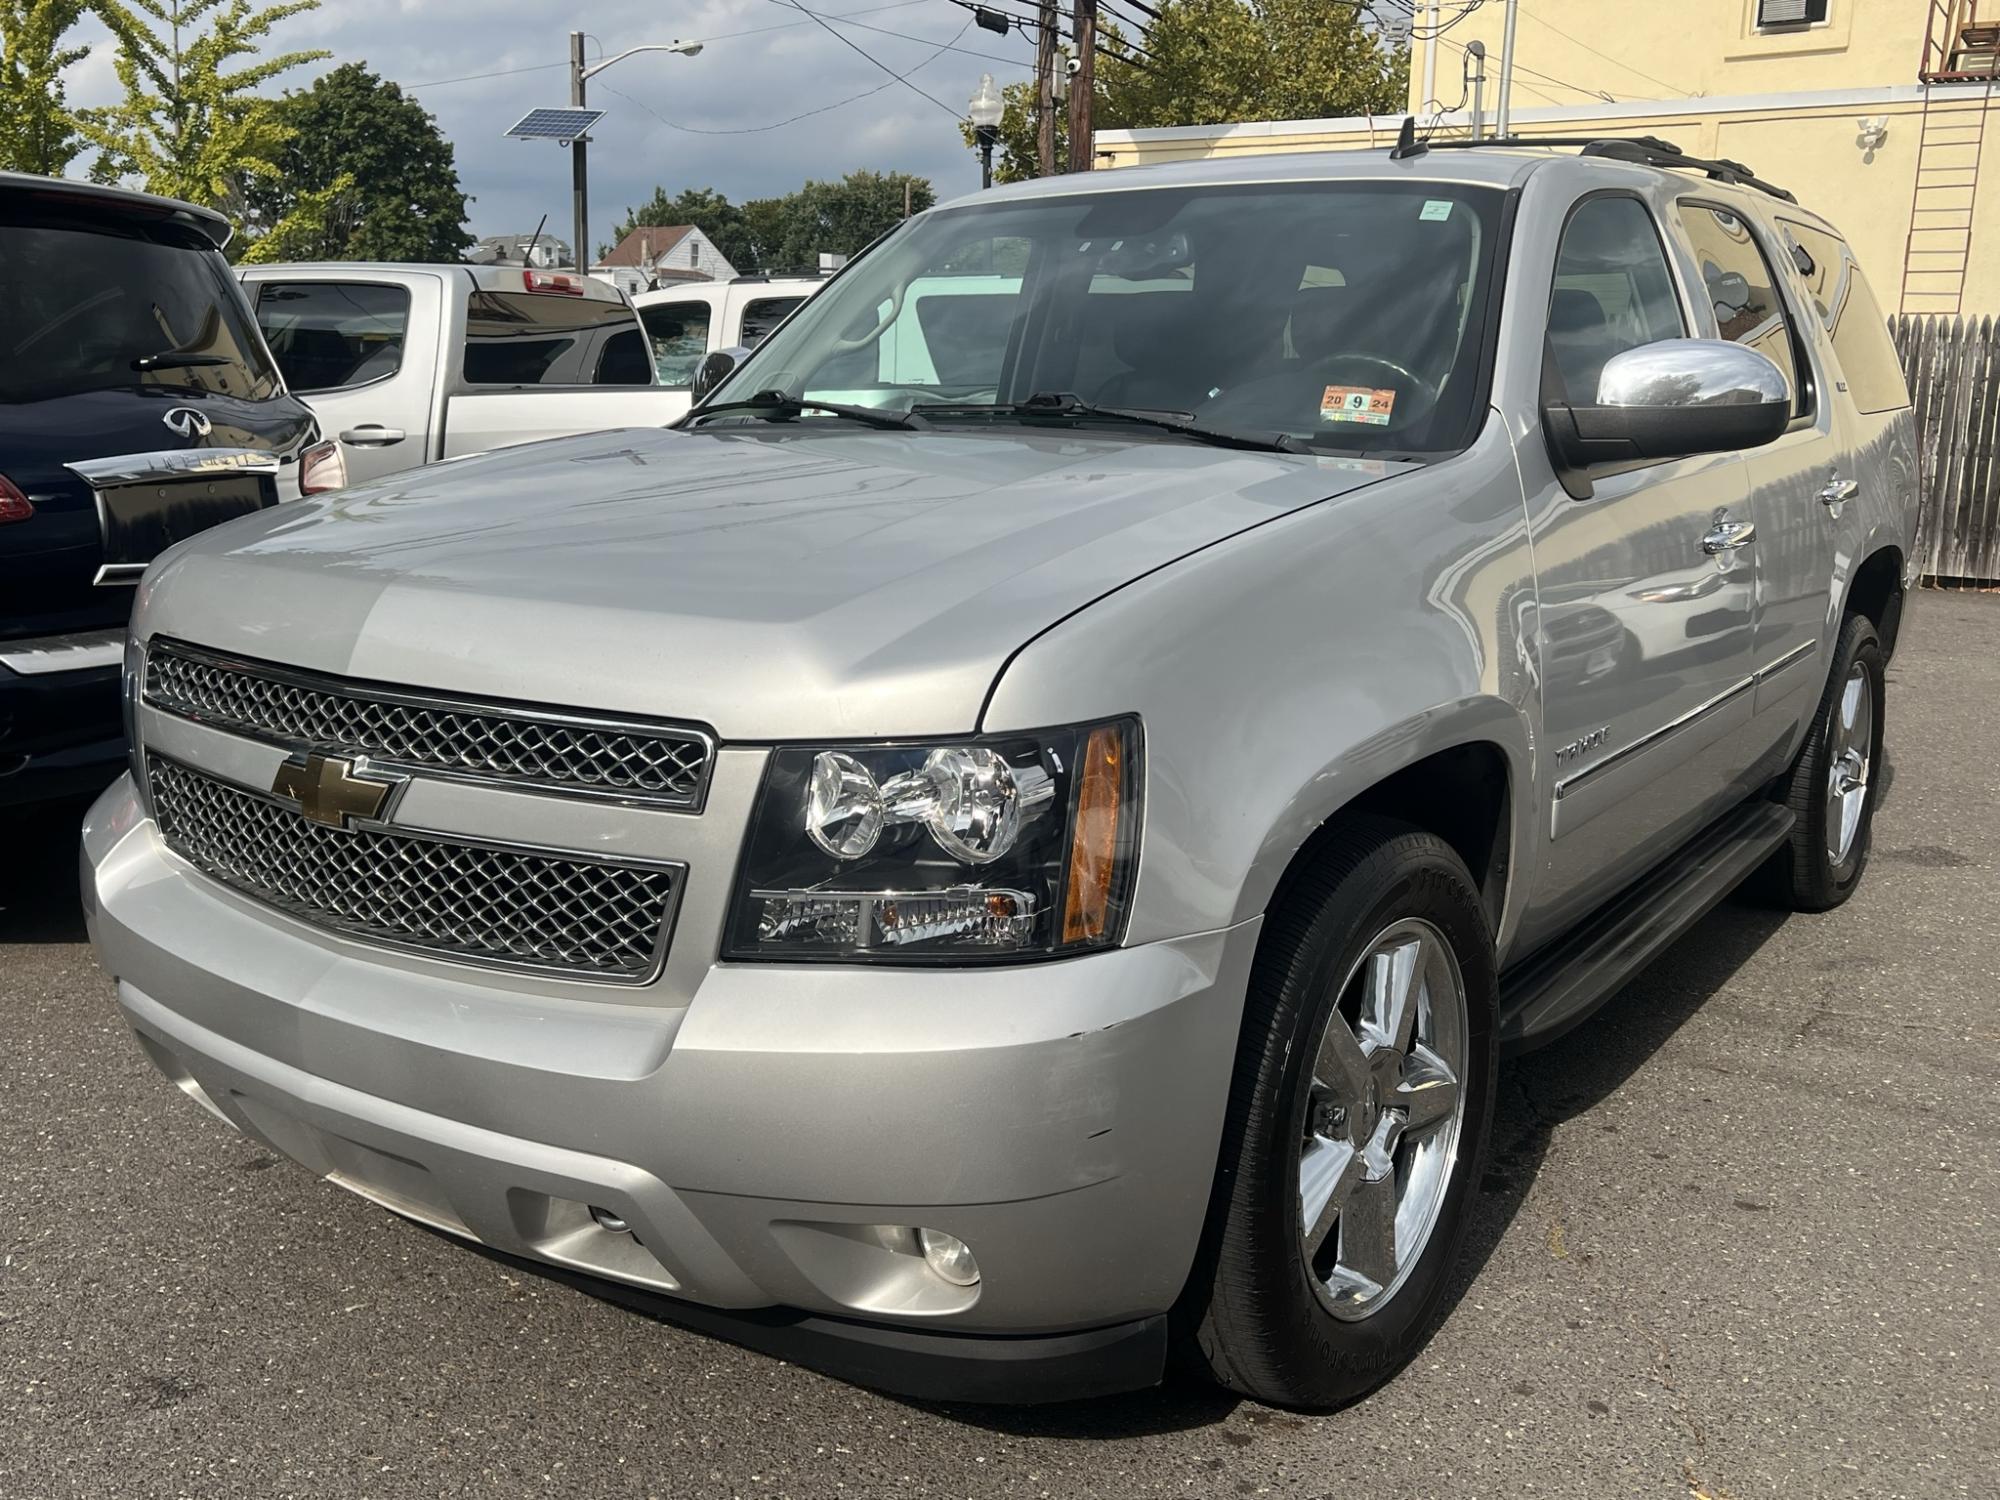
1556,987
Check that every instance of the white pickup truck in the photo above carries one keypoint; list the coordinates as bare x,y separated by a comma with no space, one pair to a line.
406,365
691,320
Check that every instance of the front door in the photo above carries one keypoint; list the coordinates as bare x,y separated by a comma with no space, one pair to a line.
1646,595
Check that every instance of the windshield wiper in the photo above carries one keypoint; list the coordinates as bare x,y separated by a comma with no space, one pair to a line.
776,406
178,359
1064,406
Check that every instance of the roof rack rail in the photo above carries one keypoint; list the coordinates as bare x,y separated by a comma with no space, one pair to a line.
1646,150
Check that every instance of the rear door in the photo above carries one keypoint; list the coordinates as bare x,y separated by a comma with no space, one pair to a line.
542,364
1744,297
361,351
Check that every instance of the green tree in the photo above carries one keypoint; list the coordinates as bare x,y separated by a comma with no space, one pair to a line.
1213,62
842,216
405,204
37,130
788,233
191,124
709,211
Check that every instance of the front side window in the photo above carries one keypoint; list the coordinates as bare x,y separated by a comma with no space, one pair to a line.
89,310
548,338
678,332
327,335
1743,289
1612,291
1852,318
1345,316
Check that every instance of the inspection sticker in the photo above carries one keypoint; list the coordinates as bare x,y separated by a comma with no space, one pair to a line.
1357,403
1436,208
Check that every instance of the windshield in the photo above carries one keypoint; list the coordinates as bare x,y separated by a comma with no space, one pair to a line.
80,308
1345,315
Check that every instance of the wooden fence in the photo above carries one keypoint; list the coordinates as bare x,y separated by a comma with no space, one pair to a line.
1953,369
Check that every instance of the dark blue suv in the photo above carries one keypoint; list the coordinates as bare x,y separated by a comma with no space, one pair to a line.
138,405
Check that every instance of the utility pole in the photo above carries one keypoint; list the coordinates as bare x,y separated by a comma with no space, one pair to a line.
579,159
1503,124
1430,9
1083,87
1475,62
1045,92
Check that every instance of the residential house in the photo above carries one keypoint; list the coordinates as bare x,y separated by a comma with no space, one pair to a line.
655,255
1874,111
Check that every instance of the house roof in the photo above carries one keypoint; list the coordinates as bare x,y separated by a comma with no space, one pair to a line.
652,239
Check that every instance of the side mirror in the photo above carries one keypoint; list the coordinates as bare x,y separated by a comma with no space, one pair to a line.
1671,399
715,368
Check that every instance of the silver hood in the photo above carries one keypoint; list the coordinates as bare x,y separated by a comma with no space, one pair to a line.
772,585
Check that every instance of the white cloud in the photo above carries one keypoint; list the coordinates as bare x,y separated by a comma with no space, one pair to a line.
736,82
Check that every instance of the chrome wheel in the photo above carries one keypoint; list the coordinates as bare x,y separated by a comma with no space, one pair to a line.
1853,743
1383,1119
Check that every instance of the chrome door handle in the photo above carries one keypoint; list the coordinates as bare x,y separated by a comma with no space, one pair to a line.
1727,536
1838,491
372,435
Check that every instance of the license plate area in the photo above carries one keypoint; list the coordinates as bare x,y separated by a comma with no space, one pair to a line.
140,521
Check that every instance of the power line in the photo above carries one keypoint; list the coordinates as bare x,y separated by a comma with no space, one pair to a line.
874,61
723,36
1578,41
789,119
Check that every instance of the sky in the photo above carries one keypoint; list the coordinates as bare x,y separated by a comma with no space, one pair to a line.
658,104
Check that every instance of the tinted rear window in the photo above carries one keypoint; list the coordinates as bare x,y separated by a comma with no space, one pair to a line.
329,334
1852,316
78,309
541,338
766,313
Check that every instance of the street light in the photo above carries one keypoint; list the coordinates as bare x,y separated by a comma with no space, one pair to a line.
579,162
985,111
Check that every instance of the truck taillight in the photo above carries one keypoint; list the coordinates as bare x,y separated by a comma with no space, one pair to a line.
322,467
14,505
549,281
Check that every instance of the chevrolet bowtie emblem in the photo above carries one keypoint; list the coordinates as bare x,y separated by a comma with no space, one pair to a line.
329,790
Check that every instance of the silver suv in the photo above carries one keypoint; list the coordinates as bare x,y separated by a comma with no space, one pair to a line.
1018,835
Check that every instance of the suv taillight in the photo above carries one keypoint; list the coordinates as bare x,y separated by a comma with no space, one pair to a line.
322,467
14,505
549,281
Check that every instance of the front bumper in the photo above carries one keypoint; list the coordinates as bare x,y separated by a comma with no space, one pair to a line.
773,1141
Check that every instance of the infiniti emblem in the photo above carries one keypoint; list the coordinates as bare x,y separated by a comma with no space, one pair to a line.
188,422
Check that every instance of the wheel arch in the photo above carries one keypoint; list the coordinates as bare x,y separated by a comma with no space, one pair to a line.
1875,589
1462,774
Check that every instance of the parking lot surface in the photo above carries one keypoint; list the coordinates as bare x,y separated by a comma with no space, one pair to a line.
1737,1239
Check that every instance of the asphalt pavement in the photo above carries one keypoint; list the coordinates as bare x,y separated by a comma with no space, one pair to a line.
1738,1239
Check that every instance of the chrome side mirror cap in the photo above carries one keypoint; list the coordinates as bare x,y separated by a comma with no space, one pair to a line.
1671,399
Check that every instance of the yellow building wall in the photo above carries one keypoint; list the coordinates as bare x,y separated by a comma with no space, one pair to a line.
1575,51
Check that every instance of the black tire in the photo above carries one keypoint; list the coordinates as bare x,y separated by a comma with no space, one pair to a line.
1804,875
1255,1317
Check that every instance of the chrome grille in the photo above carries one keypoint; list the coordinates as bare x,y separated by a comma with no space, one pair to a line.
435,895
510,746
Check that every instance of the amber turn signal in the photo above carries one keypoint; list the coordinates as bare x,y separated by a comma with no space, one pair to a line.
1093,848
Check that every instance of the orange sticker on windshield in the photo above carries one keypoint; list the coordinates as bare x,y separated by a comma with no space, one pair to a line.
1357,403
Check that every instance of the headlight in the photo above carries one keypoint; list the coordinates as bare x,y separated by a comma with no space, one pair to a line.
1003,848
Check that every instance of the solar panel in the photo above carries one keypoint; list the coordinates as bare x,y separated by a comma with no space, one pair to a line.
555,124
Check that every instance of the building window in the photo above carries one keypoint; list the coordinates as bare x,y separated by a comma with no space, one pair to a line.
1790,15
694,252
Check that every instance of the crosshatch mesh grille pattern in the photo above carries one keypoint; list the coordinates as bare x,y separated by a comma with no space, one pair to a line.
657,765
457,900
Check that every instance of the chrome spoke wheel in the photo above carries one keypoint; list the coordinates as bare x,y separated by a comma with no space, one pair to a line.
1852,736
1383,1118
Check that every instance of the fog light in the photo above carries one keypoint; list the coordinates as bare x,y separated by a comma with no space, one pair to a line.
949,1256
